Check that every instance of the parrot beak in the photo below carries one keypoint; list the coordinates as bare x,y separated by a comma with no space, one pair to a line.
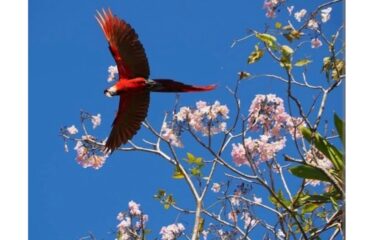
110,92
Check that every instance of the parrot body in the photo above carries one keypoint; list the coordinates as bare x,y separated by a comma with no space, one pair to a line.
134,85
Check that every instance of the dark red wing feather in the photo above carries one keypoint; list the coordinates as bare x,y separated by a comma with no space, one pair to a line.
127,50
132,110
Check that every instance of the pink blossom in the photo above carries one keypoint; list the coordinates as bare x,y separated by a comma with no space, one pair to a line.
270,6
315,43
120,216
141,224
172,231
248,221
313,24
270,13
82,154
267,112
125,223
257,200
205,234
261,148
317,158
206,119
300,14
238,154
216,187
280,234
312,182
325,14
96,120
123,229
169,135
96,161
113,71
294,125
232,216
145,218
200,105
72,130
134,208
235,201
290,9
183,113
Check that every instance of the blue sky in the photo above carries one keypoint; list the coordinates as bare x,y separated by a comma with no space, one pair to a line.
185,40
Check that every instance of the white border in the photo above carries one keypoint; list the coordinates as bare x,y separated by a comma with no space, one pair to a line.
13,127
360,120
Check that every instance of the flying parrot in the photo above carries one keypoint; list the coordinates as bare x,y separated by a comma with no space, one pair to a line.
134,85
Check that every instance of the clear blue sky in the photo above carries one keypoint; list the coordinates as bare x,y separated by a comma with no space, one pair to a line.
185,40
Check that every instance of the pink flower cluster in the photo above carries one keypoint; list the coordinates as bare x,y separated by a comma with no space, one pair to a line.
72,130
206,119
266,113
96,120
248,220
113,71
216,187
87,157
171,134
172,231
126,229
315,43
317,158
261,149
300,14
271,6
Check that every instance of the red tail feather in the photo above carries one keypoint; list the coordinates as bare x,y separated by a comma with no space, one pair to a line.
167,85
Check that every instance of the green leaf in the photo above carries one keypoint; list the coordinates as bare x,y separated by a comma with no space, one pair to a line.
178,173
339,125
268,39
196,171
331,152
190,158
292,34
338,69
201,224
286,50
281,199
160,194
309,207
318,198
256,55
309,172
334,204
199,161
302,62
278,25
169,200
285,62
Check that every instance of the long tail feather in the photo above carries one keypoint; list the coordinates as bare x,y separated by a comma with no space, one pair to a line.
168,85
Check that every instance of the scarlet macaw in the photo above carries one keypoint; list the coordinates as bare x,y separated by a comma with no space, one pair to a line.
134,85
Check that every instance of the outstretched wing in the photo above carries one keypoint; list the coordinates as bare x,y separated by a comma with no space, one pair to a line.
127,50
132,110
